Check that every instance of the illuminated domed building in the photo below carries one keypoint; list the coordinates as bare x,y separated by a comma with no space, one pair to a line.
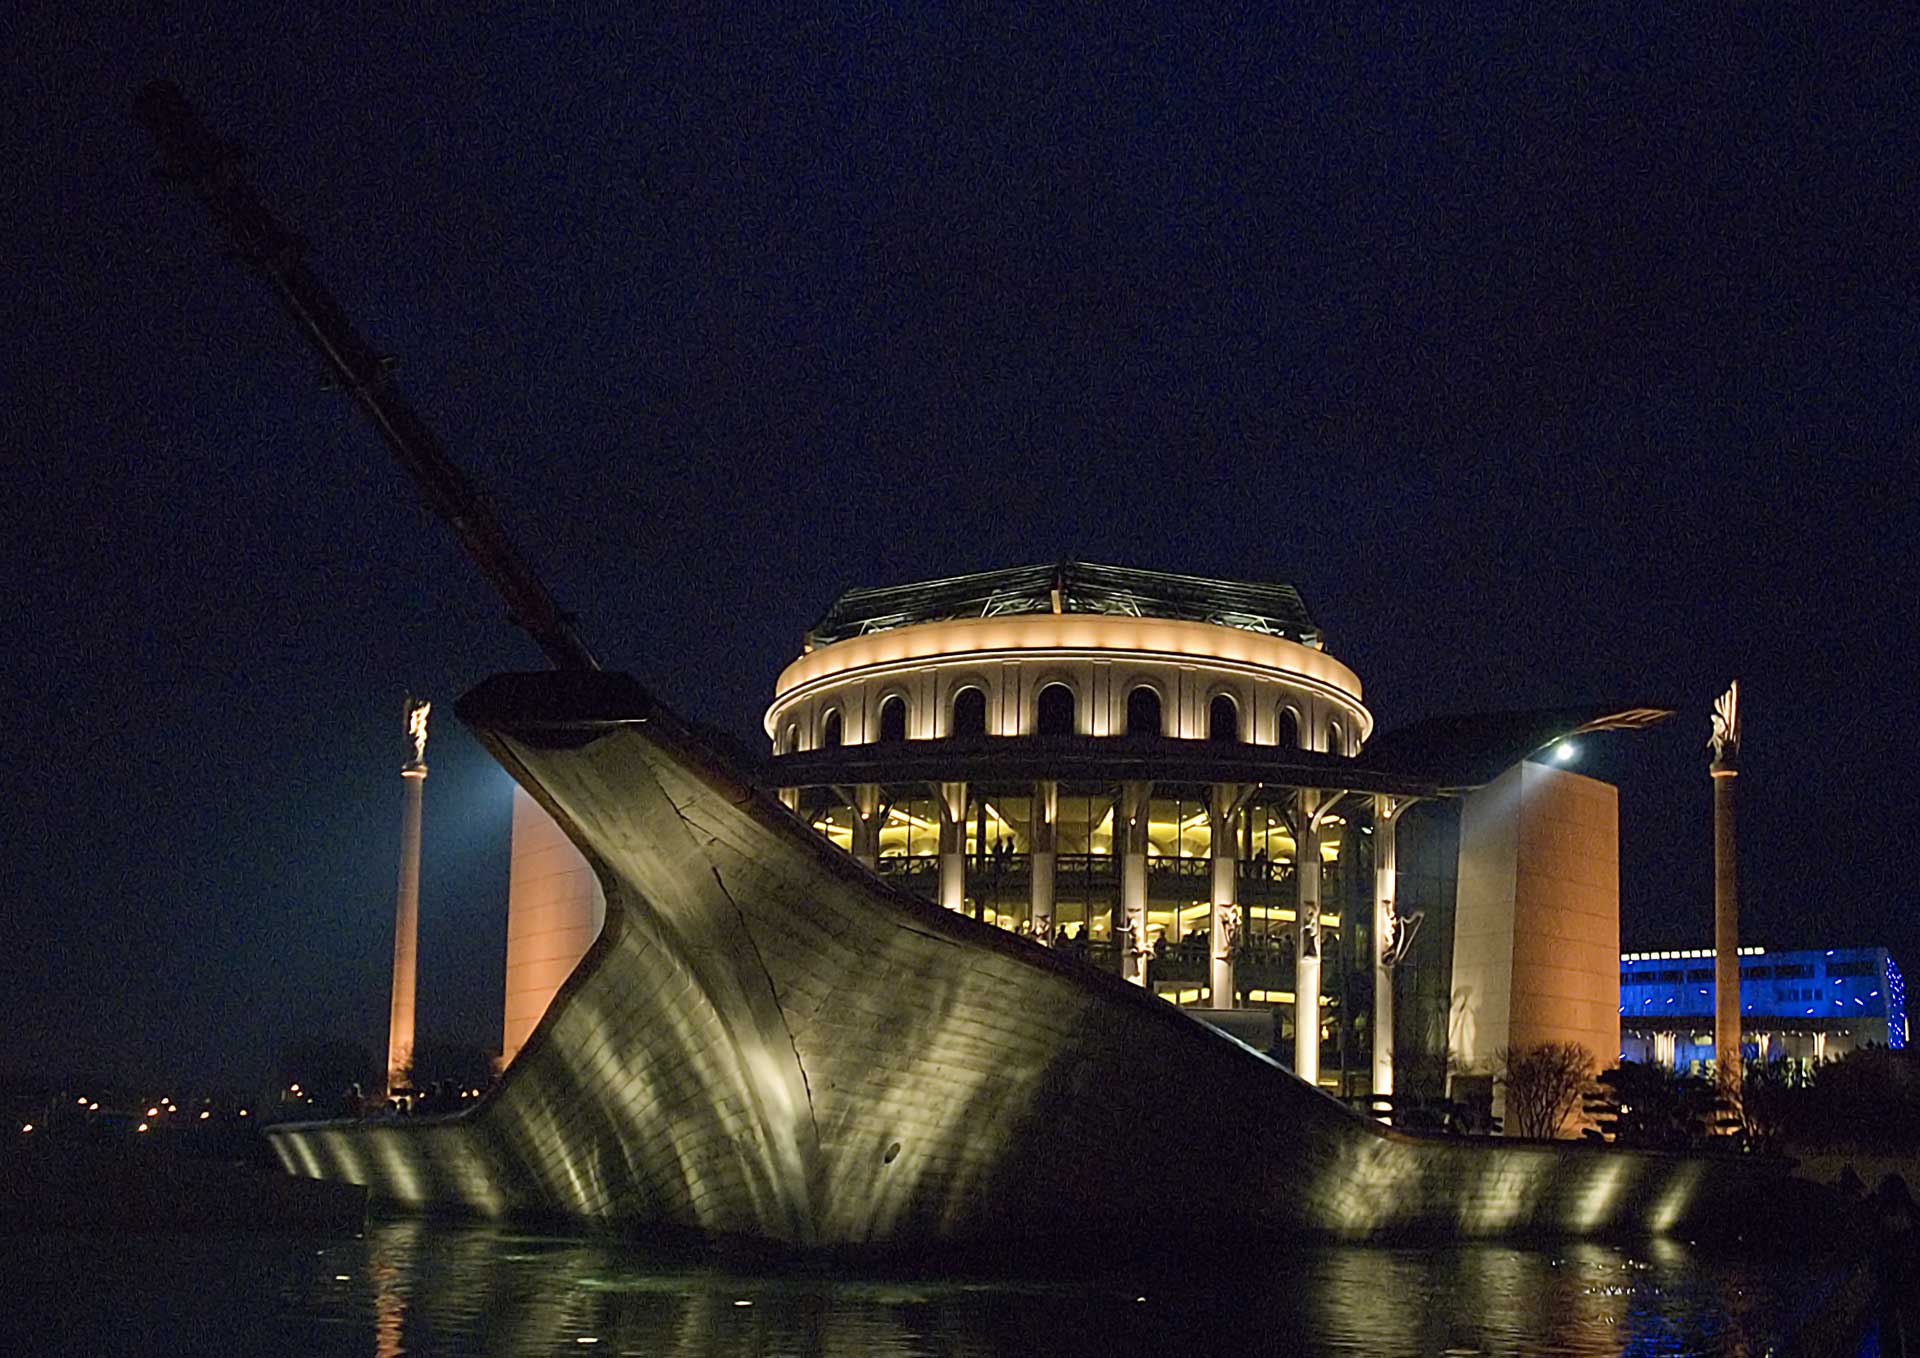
1171,778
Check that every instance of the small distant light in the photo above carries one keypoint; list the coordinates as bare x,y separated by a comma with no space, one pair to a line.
27,1127
1139,1298
586,1339
81,1099
154,1112
1565,751
141,1128
243,1112
743,1303
204,1114
93,1108
343,1277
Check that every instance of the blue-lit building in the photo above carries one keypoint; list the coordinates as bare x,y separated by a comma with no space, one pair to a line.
1805,1006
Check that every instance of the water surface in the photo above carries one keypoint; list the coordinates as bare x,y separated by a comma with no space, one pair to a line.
411,1287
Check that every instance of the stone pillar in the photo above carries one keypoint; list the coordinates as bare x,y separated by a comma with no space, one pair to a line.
1386,941
1040,849
1306,981
1131,831
406,909
1224,801
952,800
1725,741
868,815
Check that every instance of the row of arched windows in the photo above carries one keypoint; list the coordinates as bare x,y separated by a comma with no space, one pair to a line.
1056,714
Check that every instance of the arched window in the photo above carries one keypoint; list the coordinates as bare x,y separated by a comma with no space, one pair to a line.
1053,714
1289,737
893,720
1334,744
1143,713
830,731
793,740
1223,719
969,712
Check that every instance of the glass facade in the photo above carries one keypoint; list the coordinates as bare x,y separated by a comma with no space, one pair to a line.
1000,838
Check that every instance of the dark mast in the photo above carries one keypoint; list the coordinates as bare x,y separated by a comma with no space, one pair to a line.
194,156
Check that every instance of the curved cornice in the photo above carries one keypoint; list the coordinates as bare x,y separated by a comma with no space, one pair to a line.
1031,636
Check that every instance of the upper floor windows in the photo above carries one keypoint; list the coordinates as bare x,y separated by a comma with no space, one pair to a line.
969,712
1223,719
1288,736
1143,713
830,731
893,720
1053,712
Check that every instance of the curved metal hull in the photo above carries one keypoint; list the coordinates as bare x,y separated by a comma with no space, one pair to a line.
767,1042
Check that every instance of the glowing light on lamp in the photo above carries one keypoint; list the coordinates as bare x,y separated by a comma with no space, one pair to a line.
141,1128
1565,751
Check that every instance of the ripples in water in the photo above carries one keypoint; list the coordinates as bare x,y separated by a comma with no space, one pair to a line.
411,1287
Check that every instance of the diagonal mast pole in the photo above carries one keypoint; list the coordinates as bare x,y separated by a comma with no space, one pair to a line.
194,156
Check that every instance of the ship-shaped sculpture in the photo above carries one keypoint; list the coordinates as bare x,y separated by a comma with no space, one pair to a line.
768,1042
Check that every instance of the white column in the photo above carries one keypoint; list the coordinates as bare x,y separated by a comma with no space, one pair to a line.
406,934
1223,805
952,798
1306,982
1040,849
1386,821
868,813
1132,833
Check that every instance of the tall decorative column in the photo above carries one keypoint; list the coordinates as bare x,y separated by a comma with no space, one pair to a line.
1725,742
1224,801
952,800
1040,849
1312,805
869,812
406,907
1131,832
1393,933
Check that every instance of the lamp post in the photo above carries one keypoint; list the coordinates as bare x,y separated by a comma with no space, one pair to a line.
406,908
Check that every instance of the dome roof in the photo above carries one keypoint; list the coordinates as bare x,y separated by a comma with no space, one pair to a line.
1070,587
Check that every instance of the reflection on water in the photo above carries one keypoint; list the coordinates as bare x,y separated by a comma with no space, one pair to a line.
410,1287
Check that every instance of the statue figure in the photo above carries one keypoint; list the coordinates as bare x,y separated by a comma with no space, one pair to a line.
1227,943
1397,939
1725,740
417,727
1309,932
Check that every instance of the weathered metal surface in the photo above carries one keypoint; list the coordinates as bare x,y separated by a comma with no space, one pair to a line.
768,1042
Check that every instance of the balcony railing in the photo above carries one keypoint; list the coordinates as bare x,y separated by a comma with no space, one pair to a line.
909,865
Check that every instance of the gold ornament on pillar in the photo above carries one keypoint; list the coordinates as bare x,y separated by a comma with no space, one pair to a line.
1725,739
1228,943
417,729
1398,936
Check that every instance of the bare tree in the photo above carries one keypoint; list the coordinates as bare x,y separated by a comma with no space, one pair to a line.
1544,1084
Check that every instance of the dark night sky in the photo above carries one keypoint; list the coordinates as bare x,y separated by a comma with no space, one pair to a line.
1552,359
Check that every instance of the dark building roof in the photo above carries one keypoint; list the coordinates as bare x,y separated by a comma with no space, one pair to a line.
1070,587
1444,757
